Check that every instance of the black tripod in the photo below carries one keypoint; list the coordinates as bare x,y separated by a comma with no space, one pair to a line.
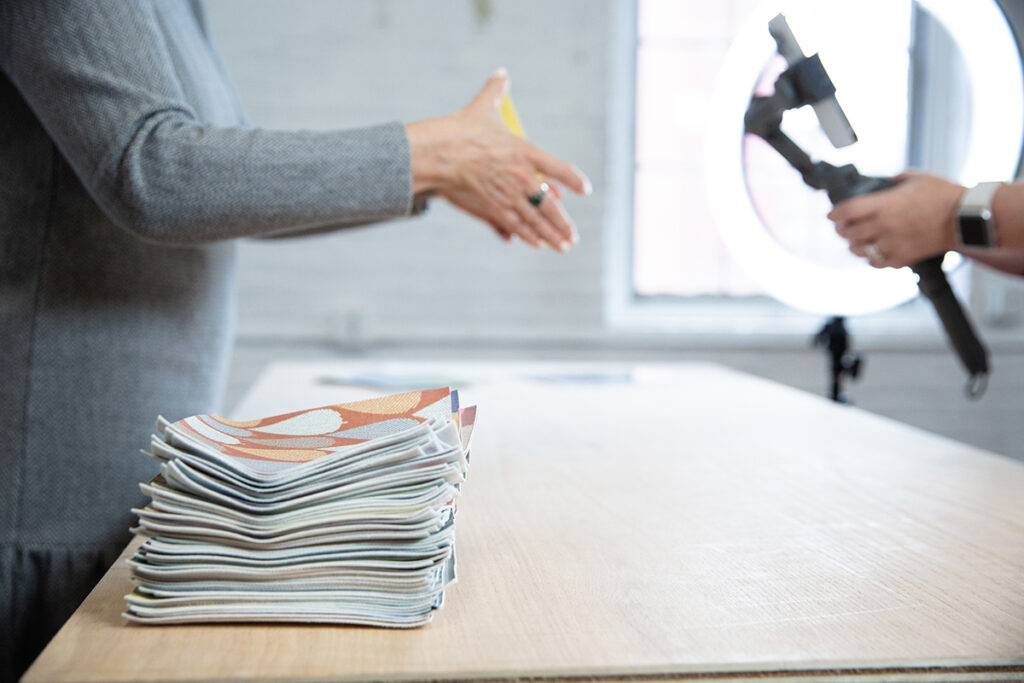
806,82
843,362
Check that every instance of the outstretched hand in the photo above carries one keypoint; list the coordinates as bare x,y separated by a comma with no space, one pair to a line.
901,225
471,159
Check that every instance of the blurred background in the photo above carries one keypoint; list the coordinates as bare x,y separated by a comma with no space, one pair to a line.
624,90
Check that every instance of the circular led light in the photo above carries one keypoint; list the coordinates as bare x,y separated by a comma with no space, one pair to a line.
993,66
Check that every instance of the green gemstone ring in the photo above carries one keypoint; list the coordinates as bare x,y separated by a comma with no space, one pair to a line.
537,197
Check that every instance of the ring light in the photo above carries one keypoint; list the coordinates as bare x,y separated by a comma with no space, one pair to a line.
993,65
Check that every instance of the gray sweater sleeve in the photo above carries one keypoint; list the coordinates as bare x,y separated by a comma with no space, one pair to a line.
99,77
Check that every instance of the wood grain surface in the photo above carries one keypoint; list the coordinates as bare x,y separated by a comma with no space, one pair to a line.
691,522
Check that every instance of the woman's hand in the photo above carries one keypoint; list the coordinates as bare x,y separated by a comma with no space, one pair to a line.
904,224
471,159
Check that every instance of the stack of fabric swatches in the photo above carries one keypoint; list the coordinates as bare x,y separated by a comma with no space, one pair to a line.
339,514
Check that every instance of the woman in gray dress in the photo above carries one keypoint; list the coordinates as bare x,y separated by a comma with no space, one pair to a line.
126,169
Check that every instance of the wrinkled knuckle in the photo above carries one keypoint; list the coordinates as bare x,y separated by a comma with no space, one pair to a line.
534,219
523,173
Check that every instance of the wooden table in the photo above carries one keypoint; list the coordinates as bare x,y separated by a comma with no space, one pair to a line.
692,522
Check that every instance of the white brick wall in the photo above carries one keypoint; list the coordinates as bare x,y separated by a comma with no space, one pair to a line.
323,64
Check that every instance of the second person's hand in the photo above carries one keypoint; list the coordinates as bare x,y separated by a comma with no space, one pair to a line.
904,224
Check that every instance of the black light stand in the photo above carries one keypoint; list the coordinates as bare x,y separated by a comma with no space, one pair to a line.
843,362
806,82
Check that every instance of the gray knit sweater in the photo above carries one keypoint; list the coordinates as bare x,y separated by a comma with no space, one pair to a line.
126,168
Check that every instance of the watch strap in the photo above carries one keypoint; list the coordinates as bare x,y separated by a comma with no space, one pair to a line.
979,197
976,227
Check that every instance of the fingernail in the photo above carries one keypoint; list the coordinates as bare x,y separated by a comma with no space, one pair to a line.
575,237
500,72
541,244
563,247
588,189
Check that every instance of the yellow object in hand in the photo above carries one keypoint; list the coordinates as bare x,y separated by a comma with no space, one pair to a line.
511,120
509,116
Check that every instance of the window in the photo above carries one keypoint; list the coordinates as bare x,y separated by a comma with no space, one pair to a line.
672,263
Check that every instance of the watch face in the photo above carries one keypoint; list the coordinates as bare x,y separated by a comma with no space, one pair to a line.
974,231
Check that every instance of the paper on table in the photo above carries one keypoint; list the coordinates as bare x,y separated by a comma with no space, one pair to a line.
343,514
284,446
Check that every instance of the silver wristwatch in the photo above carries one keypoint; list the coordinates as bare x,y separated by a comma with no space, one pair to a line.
976,226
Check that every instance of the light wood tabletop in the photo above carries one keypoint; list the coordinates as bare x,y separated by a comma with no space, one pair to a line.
662,522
